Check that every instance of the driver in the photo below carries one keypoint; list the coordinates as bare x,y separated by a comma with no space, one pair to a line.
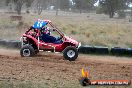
46,37
45,32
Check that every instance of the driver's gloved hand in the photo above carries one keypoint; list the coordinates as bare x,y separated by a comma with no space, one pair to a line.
58,38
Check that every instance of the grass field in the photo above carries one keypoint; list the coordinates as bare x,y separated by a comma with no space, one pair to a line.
89,28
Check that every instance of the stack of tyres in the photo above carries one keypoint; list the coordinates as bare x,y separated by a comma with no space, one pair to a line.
3,42
118,51
129,50
14,44
10,44
86,49
82,50
101,50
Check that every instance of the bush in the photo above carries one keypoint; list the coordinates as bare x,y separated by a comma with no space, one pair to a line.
73,32
121,14
99,10
27,11
20,23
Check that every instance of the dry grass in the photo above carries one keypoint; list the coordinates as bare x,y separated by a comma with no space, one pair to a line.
87,28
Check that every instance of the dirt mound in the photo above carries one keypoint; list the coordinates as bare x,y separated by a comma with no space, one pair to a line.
53,71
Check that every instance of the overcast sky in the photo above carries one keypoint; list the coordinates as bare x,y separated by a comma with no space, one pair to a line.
97,3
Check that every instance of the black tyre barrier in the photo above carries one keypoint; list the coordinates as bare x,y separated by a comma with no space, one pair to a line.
101,50
3,42
10,44
129,50
83,49
86,49
14,44
118,51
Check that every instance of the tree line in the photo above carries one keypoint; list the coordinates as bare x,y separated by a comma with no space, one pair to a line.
109,7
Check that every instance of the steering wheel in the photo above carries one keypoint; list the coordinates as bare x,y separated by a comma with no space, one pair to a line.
60,38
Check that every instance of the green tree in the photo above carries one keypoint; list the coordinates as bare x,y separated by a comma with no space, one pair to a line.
28,3
111,6
64,4
19,3
84,4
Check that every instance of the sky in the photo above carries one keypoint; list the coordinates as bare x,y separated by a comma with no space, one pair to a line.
130,5
71,2
97,3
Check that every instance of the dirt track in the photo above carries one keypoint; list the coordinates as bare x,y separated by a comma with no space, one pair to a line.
53,71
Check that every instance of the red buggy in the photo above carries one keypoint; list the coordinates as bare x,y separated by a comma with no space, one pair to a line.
32,44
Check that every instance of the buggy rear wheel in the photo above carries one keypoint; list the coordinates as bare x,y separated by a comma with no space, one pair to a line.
70,53
27,51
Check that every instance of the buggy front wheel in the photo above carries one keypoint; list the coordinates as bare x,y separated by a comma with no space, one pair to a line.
70,53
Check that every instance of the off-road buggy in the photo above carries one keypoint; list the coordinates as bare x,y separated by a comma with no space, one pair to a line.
32,44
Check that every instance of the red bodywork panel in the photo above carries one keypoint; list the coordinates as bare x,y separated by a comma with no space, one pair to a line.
51,46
